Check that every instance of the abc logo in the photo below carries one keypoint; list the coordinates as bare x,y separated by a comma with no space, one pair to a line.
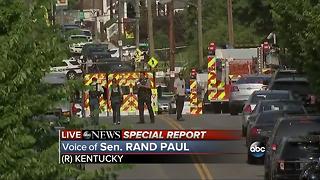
86,135
257,149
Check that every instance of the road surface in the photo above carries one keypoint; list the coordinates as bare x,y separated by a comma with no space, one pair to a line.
225,167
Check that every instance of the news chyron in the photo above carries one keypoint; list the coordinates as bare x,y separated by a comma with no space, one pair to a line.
141,146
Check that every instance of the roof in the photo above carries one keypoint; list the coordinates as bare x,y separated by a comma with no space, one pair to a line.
247,53
301,117
287,70
278,100
271,92
291,79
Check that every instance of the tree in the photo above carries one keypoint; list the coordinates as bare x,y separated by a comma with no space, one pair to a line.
28,47
297,29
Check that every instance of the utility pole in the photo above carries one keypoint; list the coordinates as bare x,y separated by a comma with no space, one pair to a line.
111,9
150,29
137,23
200,48
172,42
230,23
120,13
95,20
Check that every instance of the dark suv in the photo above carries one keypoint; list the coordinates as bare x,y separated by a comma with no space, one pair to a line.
286,127
293,154
300,89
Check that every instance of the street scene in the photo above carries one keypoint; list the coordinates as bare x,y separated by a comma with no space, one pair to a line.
249,68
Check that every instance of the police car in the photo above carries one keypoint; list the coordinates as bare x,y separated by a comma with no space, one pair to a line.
70,67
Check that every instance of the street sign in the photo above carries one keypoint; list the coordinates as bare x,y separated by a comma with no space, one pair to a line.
81,15
137,55
153,62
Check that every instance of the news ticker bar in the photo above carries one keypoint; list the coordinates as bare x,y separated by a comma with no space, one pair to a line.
150,135
148,158
142,146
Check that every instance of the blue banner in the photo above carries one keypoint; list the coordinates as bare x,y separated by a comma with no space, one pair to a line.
142,147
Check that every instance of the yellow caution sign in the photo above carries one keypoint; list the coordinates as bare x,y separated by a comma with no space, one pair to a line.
153,62
138,54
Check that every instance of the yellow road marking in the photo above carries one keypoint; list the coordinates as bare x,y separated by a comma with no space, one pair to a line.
201,168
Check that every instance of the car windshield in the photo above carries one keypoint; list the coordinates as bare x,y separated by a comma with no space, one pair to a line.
302,87
75,39
297,128
285,105
298,150
86,33
269,96
252,80
268,118
288,74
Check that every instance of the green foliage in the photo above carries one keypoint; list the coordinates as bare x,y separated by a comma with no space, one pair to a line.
28,47
297,28
252,22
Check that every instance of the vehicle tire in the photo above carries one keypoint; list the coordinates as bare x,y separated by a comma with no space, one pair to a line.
243,131
266,175
233,112
250,159
71,75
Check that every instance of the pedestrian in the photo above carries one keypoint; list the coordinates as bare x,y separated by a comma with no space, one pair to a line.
115,96
95,92
180,93
144,97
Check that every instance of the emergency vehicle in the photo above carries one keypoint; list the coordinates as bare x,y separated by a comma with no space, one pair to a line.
226,66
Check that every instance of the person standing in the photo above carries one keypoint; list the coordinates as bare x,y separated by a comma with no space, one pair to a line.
95,92
115,96
180,93
144,97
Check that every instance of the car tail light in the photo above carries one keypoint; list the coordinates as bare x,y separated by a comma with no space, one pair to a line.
274,147
234,89
247,109
255,131
312,99
281,165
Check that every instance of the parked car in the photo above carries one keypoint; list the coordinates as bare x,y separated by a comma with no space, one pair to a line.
262,126
243,88
69,67
77,42
293,154
300,88
61,109
287,127
87,33
164,103
287,73
257,96
91,48
289,106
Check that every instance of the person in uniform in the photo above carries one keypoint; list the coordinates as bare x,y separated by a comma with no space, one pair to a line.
180,93
144,97
115,96
95,92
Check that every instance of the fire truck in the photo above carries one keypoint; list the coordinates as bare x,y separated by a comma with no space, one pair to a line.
226,66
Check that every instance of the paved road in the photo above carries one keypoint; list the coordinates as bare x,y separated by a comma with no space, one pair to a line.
225,167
